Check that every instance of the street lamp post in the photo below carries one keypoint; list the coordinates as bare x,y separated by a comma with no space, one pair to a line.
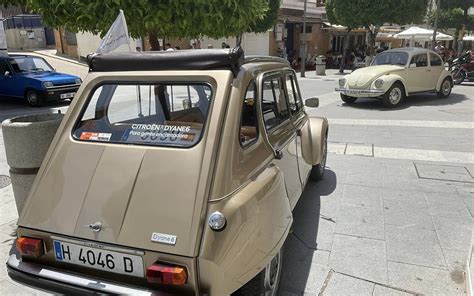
303,58
435,28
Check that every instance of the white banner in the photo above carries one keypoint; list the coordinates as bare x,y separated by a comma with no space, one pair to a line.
116,36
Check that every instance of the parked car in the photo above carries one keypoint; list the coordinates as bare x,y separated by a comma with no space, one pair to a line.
32,78
395,74
173,171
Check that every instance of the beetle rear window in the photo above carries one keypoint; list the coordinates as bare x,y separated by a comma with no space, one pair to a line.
147,114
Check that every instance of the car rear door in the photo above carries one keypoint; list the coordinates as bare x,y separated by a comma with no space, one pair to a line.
299,119
280,132
5,81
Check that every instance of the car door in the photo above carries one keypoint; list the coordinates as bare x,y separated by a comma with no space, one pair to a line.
436,67
299,119
5,85
280,132
417,72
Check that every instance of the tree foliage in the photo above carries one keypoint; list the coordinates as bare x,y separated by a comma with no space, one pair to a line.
366,13
454,14
170,19
268,20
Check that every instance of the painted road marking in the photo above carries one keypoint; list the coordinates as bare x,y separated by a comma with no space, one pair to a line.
406,153
404,123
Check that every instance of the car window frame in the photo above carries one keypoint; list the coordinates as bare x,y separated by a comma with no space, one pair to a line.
260,101
91,93
251,143
296,90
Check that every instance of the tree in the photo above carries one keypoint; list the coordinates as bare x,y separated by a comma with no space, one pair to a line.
372,14
153,18
454,14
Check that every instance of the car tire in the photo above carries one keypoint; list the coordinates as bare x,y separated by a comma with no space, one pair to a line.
394,95
33,98
317,171
445,89
347,99
266,282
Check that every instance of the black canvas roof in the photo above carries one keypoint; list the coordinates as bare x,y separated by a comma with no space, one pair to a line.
194,59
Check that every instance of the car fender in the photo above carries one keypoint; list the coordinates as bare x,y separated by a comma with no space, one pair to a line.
258,219
390,79
443,76
313,135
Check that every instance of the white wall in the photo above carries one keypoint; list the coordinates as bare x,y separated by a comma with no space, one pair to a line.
252,44
87,43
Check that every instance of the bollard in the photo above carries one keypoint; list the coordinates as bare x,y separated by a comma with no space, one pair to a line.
27,139
320,65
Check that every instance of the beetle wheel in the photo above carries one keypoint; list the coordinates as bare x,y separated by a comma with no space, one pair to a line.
445,89
347,99
394,95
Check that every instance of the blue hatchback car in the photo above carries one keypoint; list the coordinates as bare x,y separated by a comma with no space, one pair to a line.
32,78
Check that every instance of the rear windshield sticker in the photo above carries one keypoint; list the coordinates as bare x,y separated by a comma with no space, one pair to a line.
163,134
105,137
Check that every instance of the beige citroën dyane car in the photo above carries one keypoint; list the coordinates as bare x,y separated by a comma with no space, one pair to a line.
395,74
172,172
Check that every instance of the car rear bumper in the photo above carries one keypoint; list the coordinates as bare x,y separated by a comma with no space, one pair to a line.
54,93
360,92
57,281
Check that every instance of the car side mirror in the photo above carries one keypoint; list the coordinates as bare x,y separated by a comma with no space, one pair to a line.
412,65
312,102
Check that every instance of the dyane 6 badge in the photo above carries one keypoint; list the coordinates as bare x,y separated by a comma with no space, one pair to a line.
163,238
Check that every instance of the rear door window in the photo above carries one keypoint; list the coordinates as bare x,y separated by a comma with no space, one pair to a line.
274,104
421,60
148,114
435,60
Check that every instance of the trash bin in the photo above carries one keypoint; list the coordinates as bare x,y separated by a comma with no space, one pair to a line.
320,65
27,139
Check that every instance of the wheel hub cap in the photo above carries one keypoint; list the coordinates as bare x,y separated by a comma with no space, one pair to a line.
446,87
395,95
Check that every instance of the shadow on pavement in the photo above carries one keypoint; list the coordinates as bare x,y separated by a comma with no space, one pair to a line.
411,101
11,107
302,240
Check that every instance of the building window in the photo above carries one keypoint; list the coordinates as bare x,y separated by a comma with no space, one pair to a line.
70,38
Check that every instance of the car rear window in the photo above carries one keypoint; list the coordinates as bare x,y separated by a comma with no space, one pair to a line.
162,114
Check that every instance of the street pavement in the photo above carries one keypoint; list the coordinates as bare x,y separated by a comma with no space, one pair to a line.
393,214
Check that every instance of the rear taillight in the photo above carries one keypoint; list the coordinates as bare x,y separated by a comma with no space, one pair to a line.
30,246
166,275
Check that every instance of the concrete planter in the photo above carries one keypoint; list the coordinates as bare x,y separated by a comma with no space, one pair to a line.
27,139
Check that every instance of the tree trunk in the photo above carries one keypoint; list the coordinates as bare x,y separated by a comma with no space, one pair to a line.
372,36
344,49
153,38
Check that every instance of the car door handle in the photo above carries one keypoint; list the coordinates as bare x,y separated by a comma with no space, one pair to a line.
429,70
278,154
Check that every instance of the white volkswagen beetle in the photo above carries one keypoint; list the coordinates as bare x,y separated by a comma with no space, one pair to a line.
395,74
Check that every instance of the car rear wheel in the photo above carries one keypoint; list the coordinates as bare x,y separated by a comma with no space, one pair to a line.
445,89
347,99
266,282
394,96
317,171
33,98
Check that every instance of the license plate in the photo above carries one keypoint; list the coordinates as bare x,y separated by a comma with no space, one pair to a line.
354,91
67,95
99,259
